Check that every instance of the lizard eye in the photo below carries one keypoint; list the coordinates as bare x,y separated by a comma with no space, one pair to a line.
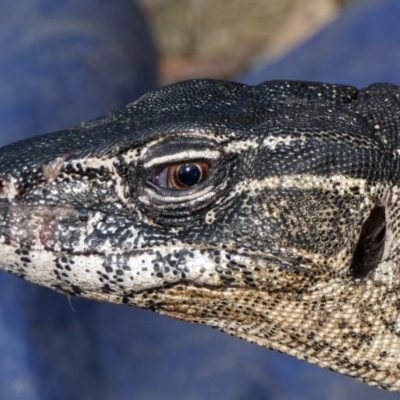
182,176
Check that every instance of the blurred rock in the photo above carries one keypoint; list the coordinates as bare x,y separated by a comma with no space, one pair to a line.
220,39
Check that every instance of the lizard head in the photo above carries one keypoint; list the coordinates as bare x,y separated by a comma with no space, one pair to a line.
268,212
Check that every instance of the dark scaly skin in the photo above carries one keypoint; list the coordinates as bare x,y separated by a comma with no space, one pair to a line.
289,240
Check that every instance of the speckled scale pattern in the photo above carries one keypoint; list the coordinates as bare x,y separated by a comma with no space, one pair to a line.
291,241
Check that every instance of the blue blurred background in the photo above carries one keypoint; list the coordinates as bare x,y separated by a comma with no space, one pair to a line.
65,61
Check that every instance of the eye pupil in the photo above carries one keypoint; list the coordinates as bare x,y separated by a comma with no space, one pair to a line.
189,174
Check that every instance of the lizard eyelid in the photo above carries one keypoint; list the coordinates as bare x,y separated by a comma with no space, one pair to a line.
186,183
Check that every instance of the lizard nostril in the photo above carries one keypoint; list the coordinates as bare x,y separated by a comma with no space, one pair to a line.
369,249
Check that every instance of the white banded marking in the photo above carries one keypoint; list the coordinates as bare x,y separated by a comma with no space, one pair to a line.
183,156
306,182
272,142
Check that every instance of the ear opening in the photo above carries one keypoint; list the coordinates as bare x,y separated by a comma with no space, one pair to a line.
369,249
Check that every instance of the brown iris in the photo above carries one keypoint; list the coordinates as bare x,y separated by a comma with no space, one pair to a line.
182,176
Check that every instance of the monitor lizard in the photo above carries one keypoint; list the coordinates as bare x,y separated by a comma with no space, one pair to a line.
270,212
